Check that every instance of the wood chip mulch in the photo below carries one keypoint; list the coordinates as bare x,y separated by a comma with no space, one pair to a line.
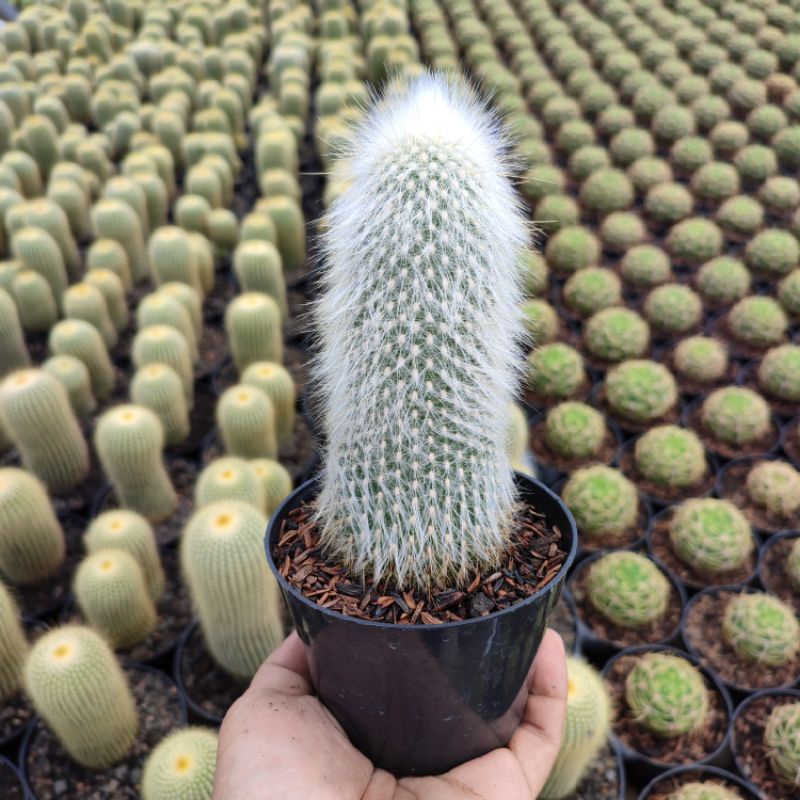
534,559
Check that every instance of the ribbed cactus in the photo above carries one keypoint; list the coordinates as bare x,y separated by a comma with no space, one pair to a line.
160,309
574,430
247,422
782,742
671,457
36,414
258,268
75,337
275,479
85,302
253,325
234,592
38,252
110,254
162,344
129,441
120,529
667,695
38,310
711,536
775,486
13,352
80,690
111,592
761,628
423,267
628,589
71,372
110,285
113,219
586,728
173,258
159,388
13,644
229,479
277,383
182,766
603,500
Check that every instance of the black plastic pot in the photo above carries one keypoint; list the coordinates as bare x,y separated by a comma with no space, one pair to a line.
694,584
10,777
788,447
196,712
773,540
701,774
643,768
598,649
420,699
792,695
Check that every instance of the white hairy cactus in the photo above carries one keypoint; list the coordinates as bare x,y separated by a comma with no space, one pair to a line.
419,329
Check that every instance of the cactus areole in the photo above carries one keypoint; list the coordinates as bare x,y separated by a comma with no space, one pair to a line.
419,333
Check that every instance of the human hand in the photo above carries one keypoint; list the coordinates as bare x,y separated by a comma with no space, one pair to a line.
278,742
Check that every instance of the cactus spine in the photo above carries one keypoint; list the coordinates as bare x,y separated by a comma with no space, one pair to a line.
234,592
13,645
78,687
246,421
129,441
419,273
276,382
113,596
126,530
182,766
586,729
36,414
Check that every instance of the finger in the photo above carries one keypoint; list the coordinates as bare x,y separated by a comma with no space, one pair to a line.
537,740
286,669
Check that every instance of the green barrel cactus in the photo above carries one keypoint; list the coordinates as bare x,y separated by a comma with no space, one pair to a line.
780,195
574,430
629,145
32,546
229,478
715,182
112,594
247,422
761,629
670,457
793,565
622,230
735,416
758,322
181,767
603,500
641,391
723,281
645,266
36,414
81,692
672,122
71,372
36,306
668,203
114,219
556,371
572,248
83,301
711,536
782,742
740,217
13,645
13,351
275,479
755,163
253,325
163,344
173,259
607,190
700,359
648,172
535,272
673,309
159,388
667,695
586,729
277,383
159,308
775,486
616,334
120,529
694,241
779,373
628,589
541,321
773,253
235,594
129,440
80,339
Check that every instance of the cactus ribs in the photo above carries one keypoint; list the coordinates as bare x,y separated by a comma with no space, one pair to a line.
531,562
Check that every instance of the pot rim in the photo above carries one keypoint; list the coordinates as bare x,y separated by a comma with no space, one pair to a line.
718,772
310,486
766,546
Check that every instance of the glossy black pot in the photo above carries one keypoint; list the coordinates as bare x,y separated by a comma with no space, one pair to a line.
701,775
11,780
420,699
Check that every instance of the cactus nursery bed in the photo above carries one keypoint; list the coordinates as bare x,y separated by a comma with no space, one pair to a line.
271,347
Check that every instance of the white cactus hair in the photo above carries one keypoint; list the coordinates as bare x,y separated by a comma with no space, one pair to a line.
419,328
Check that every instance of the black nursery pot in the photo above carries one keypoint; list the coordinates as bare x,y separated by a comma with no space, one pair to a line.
11,785
703,775
420,699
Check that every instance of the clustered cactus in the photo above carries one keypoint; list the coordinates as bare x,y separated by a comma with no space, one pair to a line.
761,629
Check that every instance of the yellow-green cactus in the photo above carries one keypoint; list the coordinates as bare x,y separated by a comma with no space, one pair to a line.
229,479
71,372
160,309
276,480
13,645
13,351
277,383
253,325
162,344
182,766
84,301
75,337
246,421
36,305
159,388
